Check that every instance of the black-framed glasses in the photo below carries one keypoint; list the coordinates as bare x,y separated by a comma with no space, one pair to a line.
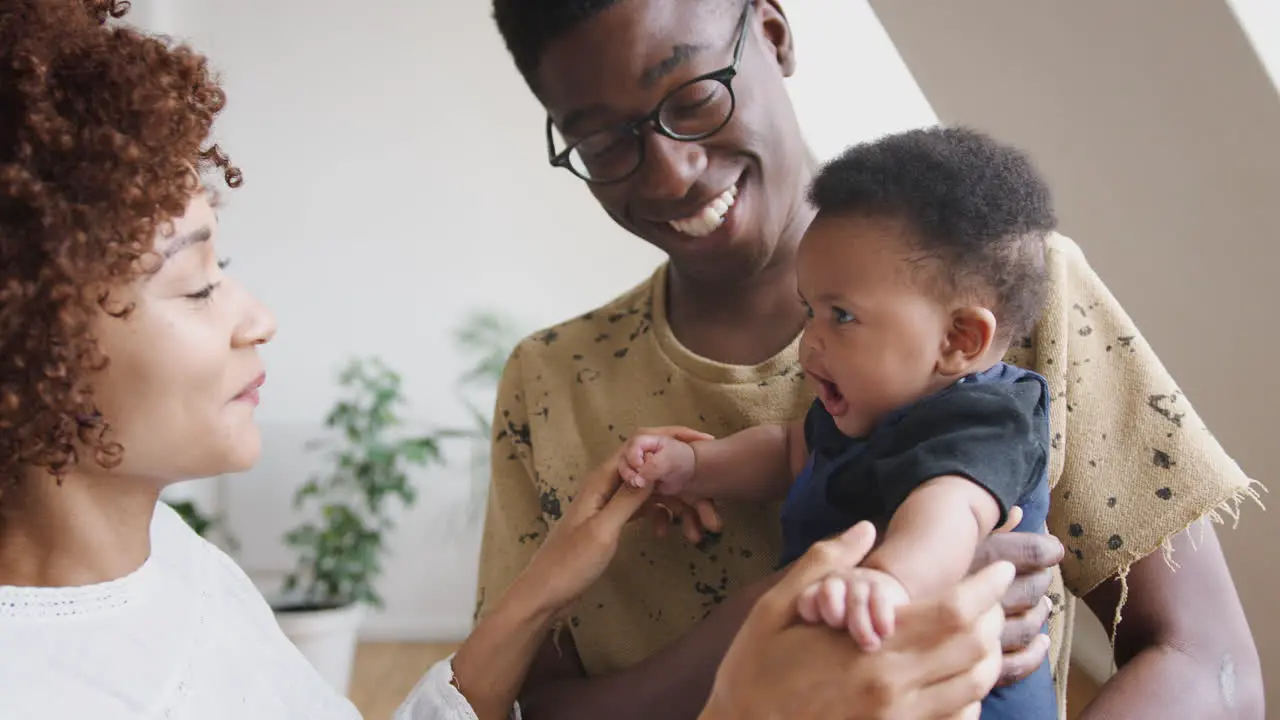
695,110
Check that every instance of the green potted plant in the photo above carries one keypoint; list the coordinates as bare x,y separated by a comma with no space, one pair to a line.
486,338
193,516
210,527
342,542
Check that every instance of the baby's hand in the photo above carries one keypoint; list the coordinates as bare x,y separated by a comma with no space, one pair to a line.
664,462
859,599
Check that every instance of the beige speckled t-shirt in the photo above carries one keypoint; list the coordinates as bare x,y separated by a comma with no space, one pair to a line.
1132,463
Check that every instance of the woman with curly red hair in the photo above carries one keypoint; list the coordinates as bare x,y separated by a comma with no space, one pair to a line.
128,362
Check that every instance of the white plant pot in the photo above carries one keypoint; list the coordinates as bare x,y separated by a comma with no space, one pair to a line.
327,638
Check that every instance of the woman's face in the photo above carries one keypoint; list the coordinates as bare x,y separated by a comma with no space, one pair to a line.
180,389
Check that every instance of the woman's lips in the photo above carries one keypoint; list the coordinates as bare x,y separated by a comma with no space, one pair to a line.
250,393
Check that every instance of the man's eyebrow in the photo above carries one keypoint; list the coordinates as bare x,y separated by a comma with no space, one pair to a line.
577,117
680,54
186,240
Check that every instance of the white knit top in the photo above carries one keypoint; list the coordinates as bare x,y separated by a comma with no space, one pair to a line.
186,636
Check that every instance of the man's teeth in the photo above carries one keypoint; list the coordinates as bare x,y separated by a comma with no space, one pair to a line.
711,216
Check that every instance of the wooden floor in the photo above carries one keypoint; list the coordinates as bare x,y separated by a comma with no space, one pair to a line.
386,672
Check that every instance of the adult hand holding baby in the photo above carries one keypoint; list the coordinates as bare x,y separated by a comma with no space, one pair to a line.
663,460
865,600
491,665
941,662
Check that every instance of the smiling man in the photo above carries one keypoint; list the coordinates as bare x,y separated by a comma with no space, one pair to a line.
676,117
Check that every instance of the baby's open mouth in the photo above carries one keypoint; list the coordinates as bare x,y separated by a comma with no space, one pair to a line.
830,396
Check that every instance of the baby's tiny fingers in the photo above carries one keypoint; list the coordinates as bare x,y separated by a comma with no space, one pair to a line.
630,476
831,601
859,620
807,604
635,455
882,612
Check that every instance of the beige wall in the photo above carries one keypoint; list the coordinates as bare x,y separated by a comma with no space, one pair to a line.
1160,131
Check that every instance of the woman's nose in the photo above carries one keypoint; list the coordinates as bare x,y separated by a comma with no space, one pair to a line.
257,326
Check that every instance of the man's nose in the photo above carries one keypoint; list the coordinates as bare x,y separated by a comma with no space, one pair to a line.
671,167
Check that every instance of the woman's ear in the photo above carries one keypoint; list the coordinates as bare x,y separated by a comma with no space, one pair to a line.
972,331
777,31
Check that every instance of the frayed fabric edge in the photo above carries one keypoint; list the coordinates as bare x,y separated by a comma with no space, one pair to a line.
558,627
1231,506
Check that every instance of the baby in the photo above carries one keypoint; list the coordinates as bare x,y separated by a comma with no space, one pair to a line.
924,263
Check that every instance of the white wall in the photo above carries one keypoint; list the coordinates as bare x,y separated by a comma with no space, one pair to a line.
395,177
1261,22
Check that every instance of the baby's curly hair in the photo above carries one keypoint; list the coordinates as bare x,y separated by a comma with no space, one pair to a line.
978,205
103,130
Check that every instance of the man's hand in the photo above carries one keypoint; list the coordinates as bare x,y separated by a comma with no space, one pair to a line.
1025,604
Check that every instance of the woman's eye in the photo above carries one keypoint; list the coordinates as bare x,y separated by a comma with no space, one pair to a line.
204,293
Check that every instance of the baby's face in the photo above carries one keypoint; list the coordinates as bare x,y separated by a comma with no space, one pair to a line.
876,333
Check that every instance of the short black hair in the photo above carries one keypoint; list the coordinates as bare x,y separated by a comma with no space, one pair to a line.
977,205
528,26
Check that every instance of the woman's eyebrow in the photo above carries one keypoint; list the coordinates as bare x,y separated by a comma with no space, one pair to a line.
194,237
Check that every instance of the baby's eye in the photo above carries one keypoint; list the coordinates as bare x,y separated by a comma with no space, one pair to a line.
841,316
808,310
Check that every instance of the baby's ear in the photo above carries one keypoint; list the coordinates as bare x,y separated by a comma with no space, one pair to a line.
969,337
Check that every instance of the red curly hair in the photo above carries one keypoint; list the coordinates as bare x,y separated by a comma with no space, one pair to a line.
100,128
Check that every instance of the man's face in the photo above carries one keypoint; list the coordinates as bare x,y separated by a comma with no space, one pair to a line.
717,205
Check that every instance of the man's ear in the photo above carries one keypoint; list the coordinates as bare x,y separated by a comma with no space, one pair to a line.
777,31
972,331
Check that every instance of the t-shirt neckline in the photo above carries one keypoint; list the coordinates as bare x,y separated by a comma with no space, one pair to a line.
701,367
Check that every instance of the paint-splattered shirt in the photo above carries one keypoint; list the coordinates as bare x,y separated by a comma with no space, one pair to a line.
1131,462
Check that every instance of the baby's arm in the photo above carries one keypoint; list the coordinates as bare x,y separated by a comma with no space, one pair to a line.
928,547
756,464
929,543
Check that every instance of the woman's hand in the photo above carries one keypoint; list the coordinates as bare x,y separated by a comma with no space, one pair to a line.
942,660
583,542
492,664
